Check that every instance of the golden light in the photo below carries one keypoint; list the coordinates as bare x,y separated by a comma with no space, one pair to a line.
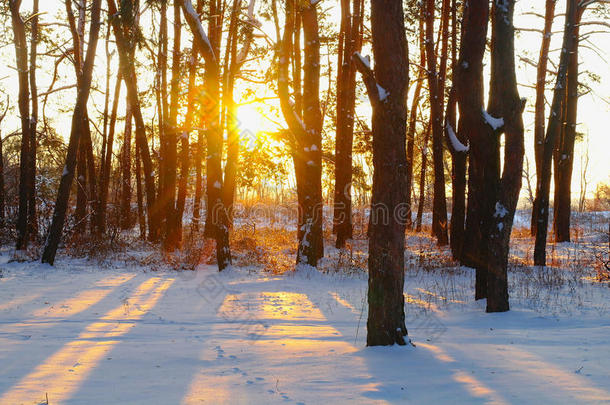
63,372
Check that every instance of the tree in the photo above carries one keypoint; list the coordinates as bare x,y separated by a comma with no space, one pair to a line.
2,191
218,213
233,63
543,181
459,153
305,128
468,85
504,187
21,53
85,159
412,123
387,90
77,129
436,87
539,108
32,218
173,227
124,24
563,156
349,42
107,155
125,190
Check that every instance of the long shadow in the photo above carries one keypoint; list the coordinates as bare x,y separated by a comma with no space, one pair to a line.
400,374
29,343
158,358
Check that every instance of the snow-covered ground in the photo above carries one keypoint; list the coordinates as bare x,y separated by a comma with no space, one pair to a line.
83,333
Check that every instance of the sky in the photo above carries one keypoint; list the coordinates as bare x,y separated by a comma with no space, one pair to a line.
593,109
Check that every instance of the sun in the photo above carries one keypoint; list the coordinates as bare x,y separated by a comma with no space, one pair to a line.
250,119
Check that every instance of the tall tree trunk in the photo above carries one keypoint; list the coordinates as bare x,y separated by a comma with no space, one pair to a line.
539,108
2,191
563,157
504,101
21,55
184,141
349,42
91,175
306,132
107,161
197,161
163,118
172,233
422,178
543,183
469,93
436,91
126,173
229,119
412,125
141,216
32,217
387,90
198,157
214,38
311,248
80,213
458,157
125,50
214,137
80,109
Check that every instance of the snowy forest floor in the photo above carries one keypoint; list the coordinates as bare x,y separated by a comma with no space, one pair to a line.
127,327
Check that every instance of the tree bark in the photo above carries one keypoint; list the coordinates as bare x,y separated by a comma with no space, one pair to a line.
125,49
539,108
32,217
412,125
215,206
198,157
543,183
469,93
306,132
387,90
2,190
422,178
458,157
80,213
107,161
21,55
141,216
504,101
65,184
349,42
436,91
126,173
563,157
172,233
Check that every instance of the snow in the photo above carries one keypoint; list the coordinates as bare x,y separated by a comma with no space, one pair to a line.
495,123
187,6
383,93
122,332
366,60
501,210
455,142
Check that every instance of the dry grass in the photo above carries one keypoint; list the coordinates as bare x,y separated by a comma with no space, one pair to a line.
272,249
